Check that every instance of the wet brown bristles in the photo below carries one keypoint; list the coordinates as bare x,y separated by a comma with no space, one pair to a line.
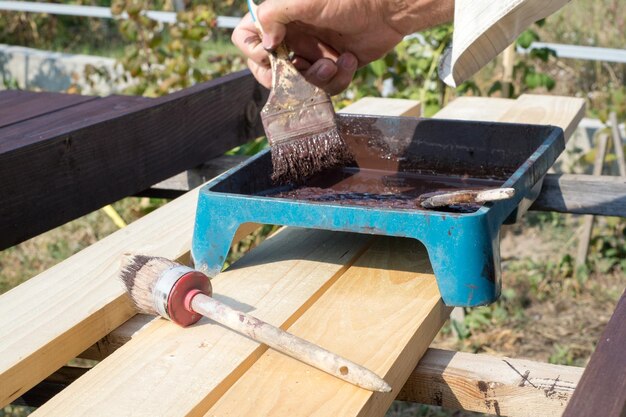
295,160
139,273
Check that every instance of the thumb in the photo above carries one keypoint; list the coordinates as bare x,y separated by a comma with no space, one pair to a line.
273,16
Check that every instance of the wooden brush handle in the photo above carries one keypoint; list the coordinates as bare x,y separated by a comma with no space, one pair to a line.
288,344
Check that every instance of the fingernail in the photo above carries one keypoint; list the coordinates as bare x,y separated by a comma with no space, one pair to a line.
267,43
347,61
325,72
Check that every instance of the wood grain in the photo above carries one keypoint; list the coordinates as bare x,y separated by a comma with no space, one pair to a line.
51,318
65,164
492,385
168,370
583,194
565,112
17,106
382,313
388,107
602,388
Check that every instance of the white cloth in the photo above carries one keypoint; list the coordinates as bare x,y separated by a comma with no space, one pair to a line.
484,28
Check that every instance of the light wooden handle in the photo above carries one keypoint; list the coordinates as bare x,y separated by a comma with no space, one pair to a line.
468,197
288,344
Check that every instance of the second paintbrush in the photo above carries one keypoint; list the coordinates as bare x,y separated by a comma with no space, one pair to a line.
159,286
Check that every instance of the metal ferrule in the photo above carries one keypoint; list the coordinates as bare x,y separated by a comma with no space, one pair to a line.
164,286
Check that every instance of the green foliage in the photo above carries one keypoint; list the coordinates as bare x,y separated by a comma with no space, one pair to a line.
411,72
160,58
59,32
410,69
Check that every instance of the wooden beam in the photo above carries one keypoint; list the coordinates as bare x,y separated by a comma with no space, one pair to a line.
454,380
17,105
602,388
65,164
492,385
583,194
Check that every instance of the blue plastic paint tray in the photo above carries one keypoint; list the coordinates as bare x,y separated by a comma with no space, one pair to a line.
397,160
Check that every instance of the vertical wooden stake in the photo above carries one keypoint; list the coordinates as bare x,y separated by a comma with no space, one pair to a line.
508,62
618,144
583,243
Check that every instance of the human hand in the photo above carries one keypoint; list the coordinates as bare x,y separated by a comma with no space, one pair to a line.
332,38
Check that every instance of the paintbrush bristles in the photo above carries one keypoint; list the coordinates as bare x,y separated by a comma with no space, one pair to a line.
139,274
295,160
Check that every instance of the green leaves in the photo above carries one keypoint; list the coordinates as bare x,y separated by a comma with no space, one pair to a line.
527,38
409,71
161,58
534,79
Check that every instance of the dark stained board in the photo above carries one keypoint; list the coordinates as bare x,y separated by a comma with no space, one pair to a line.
16,106
602,388
64,164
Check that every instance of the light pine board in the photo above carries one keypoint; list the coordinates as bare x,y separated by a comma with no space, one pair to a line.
382,313
564,112
492,385
53,317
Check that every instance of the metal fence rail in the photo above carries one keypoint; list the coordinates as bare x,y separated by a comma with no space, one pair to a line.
592,53
226,22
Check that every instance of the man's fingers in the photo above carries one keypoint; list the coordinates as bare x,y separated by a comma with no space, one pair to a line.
321,72
331,76
247,39
347,65
308,46
274,15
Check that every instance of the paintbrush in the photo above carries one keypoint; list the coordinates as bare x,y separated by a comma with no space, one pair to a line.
161,287
299,121
442,199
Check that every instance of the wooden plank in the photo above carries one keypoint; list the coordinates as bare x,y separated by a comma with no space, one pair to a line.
276,281
17,106
53,317
564,112
392,107
583,194
73,162
387,304
486,109
618,144
492,385
181,183
454,380
602,388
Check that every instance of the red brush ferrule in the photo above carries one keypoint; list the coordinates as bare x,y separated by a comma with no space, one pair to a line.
179,301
